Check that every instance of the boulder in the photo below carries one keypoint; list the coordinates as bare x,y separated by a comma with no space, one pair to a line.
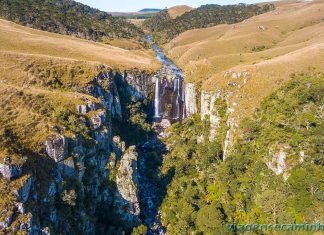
91,106
83,109
98,119
57,147
10,171
20,207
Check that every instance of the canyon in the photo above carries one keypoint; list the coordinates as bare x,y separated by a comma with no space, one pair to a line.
176,138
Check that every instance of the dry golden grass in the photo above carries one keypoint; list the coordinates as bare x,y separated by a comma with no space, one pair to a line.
270,47
176,11
19,39
31,61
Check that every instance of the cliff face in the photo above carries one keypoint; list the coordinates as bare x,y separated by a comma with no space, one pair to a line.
215,108
127,187
90,180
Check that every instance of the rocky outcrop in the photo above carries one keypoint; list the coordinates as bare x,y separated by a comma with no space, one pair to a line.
118,146
57,147
190,99
209,109
231,125
88,172
10,171
98,119
278,160
104,88
23,191
5,223
139,84
127,186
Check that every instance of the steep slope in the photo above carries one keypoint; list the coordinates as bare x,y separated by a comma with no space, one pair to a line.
176,11
253,57
273,176
68,17
63,104
253,146
164,28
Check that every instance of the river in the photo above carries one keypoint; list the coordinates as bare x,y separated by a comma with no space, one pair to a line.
169,92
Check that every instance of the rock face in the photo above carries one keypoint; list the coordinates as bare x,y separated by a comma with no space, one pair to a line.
127,185
190,99
208,109
104,88
140,84
57,147
23,192
278,161
91,176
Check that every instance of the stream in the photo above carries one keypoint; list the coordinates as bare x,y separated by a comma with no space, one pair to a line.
168,108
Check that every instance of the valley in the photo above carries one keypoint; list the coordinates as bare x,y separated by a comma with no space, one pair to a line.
179,124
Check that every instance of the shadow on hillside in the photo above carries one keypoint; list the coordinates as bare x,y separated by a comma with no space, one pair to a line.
136,129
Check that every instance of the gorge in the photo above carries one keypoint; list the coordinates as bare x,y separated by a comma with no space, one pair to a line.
177,125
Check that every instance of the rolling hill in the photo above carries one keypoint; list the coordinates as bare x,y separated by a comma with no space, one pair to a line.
27,55
165,27
270,48
176,11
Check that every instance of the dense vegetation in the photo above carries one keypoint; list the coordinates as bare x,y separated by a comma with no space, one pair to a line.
68,17
164,28
206,194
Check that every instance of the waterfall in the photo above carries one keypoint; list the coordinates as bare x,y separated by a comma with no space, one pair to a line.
182,90
177,108
157,99
175,81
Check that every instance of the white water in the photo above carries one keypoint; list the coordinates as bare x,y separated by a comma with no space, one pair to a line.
157,99
148,189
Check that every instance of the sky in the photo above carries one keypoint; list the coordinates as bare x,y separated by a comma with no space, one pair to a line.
136,5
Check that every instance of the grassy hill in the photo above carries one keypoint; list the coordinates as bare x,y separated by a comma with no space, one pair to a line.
164,27
20,40
68,17
176,11
31,60
270,48
43,77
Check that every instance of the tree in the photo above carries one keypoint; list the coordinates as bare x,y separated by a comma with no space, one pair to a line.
272,202
140,230
210,219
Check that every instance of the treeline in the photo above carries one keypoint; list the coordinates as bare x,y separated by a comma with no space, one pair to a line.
164,28
206,193
68,17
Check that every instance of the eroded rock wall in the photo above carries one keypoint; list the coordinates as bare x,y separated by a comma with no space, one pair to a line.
84,177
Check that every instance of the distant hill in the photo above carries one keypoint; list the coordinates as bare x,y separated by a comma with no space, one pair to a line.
165,28
176,11
134,15
68,17
146,10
